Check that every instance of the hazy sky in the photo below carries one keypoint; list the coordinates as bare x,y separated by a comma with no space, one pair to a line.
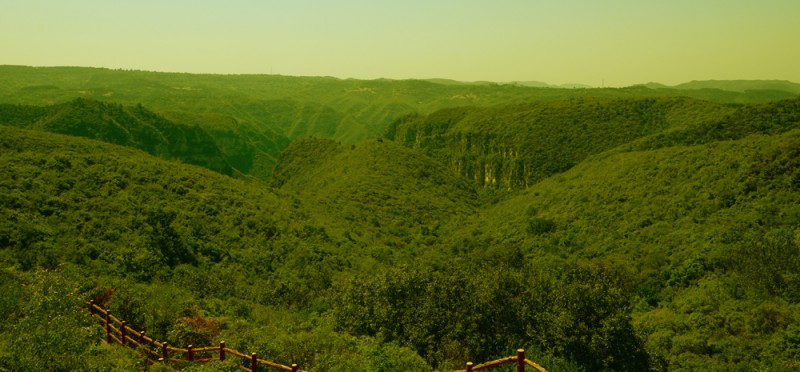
620,42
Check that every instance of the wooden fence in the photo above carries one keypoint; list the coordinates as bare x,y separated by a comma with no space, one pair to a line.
118,331
519,359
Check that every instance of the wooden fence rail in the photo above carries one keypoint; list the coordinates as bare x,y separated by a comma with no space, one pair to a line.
118,331
519,359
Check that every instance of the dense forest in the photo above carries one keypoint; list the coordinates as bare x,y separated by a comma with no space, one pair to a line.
399,225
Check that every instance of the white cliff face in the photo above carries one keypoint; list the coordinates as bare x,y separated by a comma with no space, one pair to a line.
488,175
486,160
489,161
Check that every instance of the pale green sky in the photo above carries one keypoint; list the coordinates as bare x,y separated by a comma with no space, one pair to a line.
621,42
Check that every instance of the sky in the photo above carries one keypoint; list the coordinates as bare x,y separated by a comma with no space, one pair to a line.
594,42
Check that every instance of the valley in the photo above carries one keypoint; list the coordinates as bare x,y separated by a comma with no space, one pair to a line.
400,224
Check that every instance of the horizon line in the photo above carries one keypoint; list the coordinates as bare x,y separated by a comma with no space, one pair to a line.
571,85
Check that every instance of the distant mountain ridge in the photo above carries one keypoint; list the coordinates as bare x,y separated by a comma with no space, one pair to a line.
231,150
645,229
513,147
284,108
526,83
740,86
733,85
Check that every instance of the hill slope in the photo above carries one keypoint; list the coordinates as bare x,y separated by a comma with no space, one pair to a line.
654,233
766,118
709,231
187,254
349,111
743,85
377,190
216,142
513,147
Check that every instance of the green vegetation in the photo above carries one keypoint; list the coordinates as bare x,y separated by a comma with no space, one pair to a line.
628,229
744,85
349,111
216,142
513,147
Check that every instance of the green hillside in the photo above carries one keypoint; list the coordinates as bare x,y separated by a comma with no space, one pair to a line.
213,141
513,147
190,255
349,111
767,118
709,233
383,196
598,229
193,256
250,151
743,85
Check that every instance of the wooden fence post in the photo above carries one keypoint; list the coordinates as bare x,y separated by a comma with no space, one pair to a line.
165,352
469,366
189,353
108,326
222,351
122,332
141,338
91,307
294,367
520,360
253,362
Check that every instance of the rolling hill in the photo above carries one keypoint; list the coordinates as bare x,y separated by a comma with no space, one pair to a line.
215,142
742,85
349,111
174,242
709,232
513,147
599,229
382,195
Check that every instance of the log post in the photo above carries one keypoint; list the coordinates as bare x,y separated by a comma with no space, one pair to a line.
253,362
164,351
520,360
469,366
294,367
122,332
222,351
141,337
189,353
91,307
108,326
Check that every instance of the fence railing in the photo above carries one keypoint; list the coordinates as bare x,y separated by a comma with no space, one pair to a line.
118,332
519,359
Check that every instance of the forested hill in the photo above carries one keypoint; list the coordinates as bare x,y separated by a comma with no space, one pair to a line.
513,147
767,118
190,255
381,193
709,233
348,111
637,229
214,142
743,85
